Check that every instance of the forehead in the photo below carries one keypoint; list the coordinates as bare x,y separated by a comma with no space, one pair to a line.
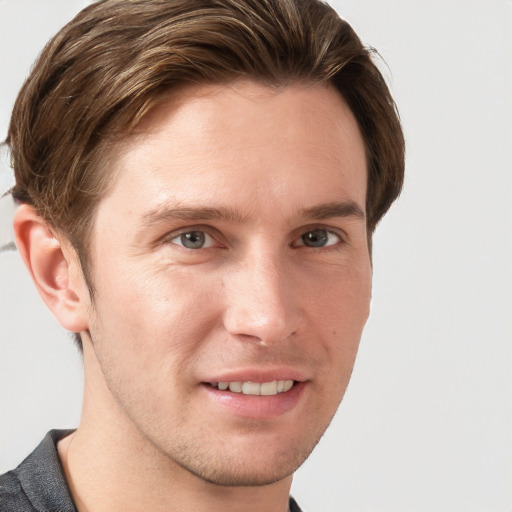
243,145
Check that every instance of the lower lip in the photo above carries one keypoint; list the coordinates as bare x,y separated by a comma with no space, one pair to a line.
257,406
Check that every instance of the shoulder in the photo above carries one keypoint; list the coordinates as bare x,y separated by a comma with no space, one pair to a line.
38,483
293,507
12,497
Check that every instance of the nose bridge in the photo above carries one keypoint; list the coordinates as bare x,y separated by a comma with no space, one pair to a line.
261,301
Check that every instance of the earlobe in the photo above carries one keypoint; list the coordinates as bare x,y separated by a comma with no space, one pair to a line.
54,268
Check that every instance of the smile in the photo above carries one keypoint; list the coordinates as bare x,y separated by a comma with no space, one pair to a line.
255,388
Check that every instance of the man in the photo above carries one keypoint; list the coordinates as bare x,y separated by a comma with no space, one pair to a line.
198,184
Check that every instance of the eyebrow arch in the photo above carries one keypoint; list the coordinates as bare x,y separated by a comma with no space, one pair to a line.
334,210
163,214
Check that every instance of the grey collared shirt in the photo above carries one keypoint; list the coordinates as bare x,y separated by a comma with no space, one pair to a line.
38,483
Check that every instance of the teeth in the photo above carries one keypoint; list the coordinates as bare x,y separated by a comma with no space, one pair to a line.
269,388
236,387
251,388
254,388
288,385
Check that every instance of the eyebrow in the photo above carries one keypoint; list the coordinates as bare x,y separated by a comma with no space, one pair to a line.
165,214
334,210
324,211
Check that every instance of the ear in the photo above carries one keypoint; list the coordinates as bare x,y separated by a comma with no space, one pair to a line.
54,267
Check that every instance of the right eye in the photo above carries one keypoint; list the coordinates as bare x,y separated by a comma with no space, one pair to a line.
194,240
318,238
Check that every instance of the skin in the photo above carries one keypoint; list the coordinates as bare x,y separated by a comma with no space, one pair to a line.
255,172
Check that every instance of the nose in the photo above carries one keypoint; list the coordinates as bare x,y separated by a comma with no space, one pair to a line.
262,303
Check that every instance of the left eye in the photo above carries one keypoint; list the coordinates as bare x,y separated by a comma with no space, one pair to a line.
318,238
194,240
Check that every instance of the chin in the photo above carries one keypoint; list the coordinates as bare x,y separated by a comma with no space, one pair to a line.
244,476
249,467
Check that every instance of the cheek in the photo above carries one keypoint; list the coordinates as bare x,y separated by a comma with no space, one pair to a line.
341,308
155,314
342,289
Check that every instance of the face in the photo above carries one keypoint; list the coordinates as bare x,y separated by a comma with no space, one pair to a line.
232,276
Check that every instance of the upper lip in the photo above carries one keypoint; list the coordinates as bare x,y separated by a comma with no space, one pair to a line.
258,375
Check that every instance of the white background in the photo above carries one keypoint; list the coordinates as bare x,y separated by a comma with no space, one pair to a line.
426,424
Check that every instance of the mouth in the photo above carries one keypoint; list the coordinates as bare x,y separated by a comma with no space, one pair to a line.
270,388
261,400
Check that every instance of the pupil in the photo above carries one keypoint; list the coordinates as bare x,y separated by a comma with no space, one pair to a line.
193,240
316,238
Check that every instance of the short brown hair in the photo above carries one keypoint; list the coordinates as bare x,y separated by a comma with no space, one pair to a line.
116,59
